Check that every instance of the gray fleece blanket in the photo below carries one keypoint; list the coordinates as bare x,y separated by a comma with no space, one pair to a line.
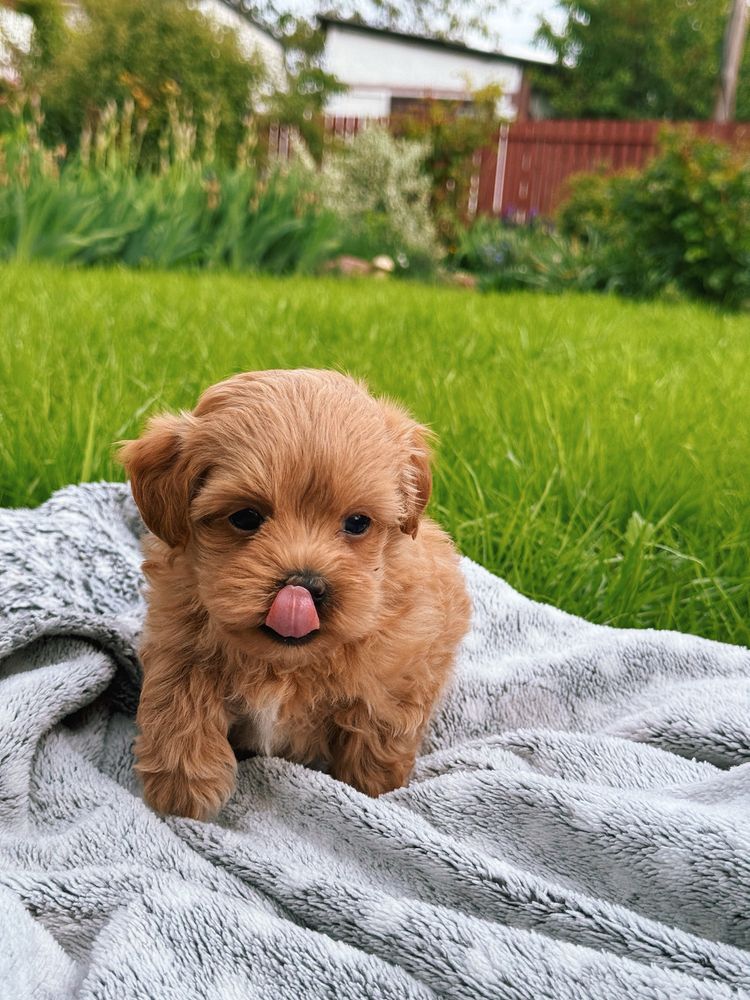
578,825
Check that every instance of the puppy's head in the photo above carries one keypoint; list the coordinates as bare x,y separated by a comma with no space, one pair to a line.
288,491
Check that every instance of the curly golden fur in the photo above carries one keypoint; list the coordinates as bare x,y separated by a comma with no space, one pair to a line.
305,450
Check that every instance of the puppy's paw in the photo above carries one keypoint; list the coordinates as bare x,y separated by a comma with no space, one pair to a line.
186,790
173,793
372,778
374,755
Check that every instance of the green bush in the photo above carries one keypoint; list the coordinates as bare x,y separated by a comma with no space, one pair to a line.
452,132
590,205
682,224
378,188
680,227
155,54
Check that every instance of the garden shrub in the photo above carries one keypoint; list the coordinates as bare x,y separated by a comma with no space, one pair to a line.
679,227
591,203
157,55
378,188
682,224
453,132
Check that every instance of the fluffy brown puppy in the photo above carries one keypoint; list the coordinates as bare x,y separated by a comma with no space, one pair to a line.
299,603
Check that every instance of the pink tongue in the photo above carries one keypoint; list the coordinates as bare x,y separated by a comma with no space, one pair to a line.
293,613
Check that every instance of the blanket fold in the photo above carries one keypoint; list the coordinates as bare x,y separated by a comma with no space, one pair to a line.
577,825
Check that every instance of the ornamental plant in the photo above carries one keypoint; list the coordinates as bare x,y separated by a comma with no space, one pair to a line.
378,187
94,206
683,223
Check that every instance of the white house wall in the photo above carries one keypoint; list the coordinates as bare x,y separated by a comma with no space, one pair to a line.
15,30
249,38
376,67
361,104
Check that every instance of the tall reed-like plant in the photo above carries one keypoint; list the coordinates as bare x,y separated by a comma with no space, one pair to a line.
97,207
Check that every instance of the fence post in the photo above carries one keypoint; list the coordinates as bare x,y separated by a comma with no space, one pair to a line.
476,162
500,164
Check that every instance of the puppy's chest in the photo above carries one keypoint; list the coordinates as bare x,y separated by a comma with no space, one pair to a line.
261,729
269,733
272,728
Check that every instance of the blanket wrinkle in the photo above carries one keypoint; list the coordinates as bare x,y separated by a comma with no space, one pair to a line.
576,826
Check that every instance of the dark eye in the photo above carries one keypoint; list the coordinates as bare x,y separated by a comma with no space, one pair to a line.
246,519
356,524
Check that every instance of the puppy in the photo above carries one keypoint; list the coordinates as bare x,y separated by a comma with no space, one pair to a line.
299,603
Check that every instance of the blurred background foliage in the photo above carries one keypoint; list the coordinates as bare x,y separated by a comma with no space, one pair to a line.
637,59
155,54
139,134
679,228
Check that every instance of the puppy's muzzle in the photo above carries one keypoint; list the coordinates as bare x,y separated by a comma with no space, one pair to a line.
293,616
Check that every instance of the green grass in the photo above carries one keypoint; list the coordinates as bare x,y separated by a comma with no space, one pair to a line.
595,453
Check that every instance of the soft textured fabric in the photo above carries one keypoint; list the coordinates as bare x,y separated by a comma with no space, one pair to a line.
578,825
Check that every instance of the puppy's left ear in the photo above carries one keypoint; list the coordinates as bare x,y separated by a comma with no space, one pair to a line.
415,480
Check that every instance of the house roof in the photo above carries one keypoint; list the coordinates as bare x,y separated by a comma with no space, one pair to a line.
447,45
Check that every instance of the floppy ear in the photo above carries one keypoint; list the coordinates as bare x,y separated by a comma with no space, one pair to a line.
160,478
415,480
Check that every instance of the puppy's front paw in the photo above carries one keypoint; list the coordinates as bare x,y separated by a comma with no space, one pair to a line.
375,781
197,792
173,793
374,755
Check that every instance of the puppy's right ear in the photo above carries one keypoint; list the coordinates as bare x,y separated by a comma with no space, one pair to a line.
159,477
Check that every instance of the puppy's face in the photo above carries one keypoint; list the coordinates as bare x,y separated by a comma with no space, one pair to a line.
286,490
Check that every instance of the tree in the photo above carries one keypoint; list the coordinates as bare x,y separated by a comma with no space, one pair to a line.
638,59
307,86
158,55
455,19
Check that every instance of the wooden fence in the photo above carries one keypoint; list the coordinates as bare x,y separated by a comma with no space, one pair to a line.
523,173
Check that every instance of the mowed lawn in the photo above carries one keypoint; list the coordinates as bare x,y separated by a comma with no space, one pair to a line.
594,453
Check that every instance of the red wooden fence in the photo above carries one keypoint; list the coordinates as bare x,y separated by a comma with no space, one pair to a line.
523,174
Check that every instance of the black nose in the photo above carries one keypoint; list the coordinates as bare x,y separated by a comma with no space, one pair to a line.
312,582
